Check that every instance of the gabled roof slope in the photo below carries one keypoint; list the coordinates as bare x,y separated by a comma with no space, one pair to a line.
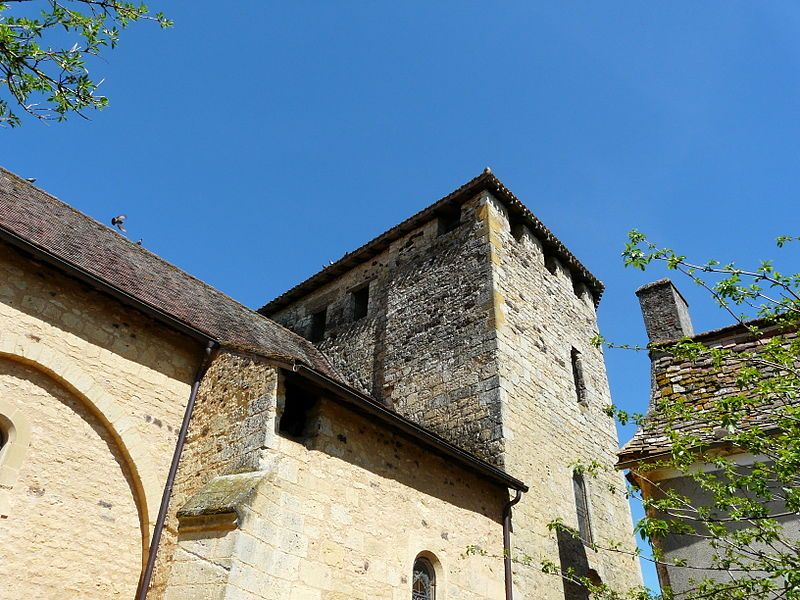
486,181
30,217
701,384
55,232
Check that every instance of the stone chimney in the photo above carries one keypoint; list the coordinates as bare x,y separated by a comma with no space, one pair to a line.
665,311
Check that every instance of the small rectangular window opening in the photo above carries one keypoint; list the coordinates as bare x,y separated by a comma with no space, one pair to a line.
577,286
518,230
582,507
550,263
318,321
448,219
577,376
360,303
298,410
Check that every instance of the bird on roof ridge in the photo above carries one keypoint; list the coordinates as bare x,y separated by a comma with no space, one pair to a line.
119,222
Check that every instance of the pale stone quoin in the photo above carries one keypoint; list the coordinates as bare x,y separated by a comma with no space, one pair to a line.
359,436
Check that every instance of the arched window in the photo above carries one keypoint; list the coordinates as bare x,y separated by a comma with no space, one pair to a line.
423,584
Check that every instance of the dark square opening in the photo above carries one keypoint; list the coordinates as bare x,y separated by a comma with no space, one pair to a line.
577,286
318,321
360,303
448,219
298,412
550,263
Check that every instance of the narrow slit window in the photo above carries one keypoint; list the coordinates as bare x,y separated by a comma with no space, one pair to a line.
360,303
577,376
423,583
318,321
582,507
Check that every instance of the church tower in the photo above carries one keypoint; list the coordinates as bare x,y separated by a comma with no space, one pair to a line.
474,320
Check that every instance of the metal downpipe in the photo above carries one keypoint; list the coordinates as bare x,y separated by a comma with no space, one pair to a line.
507,529
147,575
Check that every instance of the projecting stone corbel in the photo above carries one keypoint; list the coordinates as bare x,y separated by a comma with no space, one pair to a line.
218,505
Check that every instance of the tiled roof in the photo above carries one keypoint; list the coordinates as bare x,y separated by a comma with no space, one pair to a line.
701,384
31,217
52,230
486,181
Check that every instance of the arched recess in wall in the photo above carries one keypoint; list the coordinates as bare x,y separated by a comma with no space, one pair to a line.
106,410
15,437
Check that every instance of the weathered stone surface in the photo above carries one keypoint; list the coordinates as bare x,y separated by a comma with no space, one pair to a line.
471,333
540,317
427,345
665,311
700,383
223,494
339,514
102,389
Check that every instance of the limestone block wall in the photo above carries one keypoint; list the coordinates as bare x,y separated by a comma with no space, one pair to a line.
541,315
473,335
73,502
341,513
427,344
101,391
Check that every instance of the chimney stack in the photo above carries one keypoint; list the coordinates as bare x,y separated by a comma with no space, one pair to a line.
665,311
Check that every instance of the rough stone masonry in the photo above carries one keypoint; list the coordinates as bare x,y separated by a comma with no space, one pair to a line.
474,328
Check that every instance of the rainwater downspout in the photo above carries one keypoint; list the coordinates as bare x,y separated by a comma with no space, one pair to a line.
507,529
144,582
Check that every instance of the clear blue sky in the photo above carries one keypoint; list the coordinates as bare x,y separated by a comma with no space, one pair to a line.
256,141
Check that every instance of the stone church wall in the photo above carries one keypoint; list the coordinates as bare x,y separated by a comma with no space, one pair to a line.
340,513
499,321
426,346
541,315
92,393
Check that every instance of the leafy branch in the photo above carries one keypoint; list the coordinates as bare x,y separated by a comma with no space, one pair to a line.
44,58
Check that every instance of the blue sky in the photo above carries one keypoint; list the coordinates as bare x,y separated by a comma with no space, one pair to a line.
256,141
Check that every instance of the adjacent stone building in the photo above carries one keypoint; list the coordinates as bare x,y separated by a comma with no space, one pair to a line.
697,381
352,439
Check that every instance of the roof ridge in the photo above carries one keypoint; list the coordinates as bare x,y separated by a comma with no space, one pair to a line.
133,245
176,269
485,178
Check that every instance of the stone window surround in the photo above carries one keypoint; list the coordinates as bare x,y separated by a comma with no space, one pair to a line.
360,301
429,561
16,432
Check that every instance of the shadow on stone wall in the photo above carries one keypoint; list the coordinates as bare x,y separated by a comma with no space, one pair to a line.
572,555
354,438
73,307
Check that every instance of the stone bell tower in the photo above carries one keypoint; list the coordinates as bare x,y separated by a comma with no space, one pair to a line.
474,320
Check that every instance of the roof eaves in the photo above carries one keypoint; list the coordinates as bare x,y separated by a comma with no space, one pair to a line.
422,435
83,275
485,181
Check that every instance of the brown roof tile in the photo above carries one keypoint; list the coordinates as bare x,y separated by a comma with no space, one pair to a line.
31,217
700,384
